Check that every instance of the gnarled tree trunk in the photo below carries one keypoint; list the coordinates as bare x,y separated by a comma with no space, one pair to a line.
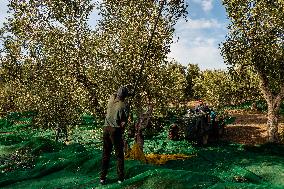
272,124
273,102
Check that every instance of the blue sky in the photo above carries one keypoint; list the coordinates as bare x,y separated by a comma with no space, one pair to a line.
199,38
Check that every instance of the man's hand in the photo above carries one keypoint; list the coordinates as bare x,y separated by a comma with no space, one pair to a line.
122,126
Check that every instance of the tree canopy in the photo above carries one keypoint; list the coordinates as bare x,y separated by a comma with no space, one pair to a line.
54,63
255,40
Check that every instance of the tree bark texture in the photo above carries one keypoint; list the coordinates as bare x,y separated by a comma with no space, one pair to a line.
272,124
273,101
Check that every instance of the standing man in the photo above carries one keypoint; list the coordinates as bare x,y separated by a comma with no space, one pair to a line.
115,122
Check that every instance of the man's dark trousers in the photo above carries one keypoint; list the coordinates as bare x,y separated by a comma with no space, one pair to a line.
112,137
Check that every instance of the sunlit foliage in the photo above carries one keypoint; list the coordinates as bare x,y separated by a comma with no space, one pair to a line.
255,40
54,63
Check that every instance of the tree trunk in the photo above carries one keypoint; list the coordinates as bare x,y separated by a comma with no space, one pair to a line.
273,101
272,124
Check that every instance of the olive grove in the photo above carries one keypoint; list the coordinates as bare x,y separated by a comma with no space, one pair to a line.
54,63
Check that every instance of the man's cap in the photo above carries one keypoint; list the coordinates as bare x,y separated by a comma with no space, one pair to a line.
122,92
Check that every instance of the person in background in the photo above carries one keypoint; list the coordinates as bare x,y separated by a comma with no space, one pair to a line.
174,132
201,107
202,122
115,123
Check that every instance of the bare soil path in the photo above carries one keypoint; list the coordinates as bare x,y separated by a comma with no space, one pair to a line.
249,128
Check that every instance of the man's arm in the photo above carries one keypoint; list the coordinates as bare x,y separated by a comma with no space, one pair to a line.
123,118
123,125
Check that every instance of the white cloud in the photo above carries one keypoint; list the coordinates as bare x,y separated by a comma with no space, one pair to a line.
3,11
203,24
198,43
206,5
201,41
206,56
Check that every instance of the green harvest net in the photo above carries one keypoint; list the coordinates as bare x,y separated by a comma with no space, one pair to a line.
52,165
32,160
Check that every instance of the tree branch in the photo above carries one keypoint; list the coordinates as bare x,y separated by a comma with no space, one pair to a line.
264,85
279,98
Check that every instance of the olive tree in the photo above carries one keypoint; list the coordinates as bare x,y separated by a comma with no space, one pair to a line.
255,40
214,86
42,59
55,64
192,72
135,38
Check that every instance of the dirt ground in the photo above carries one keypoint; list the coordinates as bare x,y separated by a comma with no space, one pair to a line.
249,128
